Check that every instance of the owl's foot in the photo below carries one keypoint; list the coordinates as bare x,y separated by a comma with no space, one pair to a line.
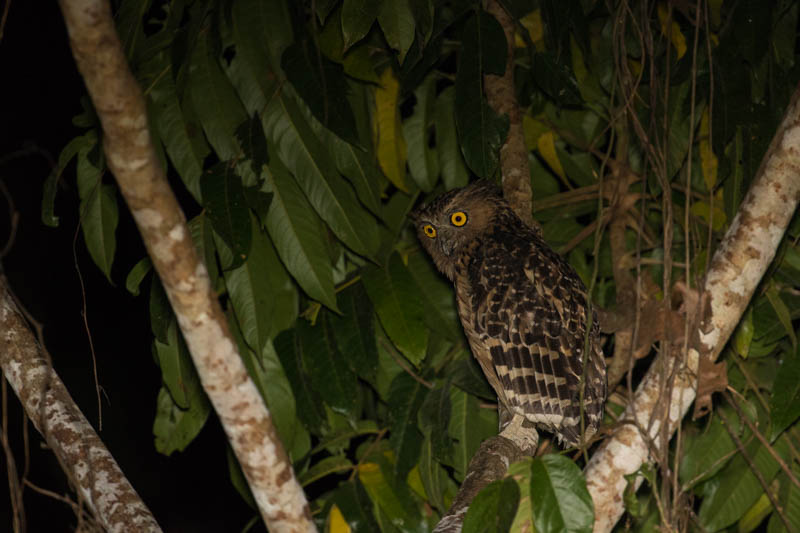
522,433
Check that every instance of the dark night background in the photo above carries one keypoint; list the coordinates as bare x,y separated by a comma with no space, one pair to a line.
189,491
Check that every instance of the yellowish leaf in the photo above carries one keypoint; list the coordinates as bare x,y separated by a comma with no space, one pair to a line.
708,160
703,210
336,521
674,32
578,66
414,481
388,130
532,22
547,147
532,129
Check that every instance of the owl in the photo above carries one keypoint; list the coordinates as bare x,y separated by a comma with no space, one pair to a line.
524,311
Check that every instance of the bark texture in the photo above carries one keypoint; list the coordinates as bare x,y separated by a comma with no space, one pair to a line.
735,271
502,97
132,159
88,464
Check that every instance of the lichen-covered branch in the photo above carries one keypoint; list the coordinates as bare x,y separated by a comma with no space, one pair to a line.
88,464
501,95
133,161
735,271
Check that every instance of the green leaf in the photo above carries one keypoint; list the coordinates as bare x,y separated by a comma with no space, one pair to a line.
174,428
215,100
357,62
357,19
226,208
556,79
361,170
263,297
99,218
177,370
250,135
417,130
322,86
399,306
309,404
330,374
438,296
434,418
706,454
355,331
405,398
73,148
298,235
789,500
182,136
434,477
781,311
743,336
451,160
735,489
338,441
493,509
261,31
137,274
336,464
238,480
354,503
469,426
397,24
203,239
481,131
330,195
560,500
391,496
784,405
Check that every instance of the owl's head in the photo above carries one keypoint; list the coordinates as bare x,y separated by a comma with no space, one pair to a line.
455,219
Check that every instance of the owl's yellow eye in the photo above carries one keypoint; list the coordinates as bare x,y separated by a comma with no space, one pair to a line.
459,218
429,230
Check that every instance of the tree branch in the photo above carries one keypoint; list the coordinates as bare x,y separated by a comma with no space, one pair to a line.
735,271
83,456
142,181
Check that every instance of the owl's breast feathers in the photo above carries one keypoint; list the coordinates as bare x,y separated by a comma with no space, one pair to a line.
524,311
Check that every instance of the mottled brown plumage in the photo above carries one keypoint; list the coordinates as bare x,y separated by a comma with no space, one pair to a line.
523,309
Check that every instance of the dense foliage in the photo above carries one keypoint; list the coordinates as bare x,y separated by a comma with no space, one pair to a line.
299,135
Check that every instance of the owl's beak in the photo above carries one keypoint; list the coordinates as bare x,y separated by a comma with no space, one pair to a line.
446,246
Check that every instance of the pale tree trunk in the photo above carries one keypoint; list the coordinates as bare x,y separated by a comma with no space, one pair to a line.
142,181
734,273
88,464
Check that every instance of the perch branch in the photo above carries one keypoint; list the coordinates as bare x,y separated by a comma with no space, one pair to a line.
142,181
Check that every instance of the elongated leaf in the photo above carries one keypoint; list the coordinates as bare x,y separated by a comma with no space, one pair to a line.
782,312
785,401
177,370
261,31
68,153
321,84
422,160
439,298
263,297
481,131
226,208
357,19
215,101
469,426
434,418
434,477
451,160
731,493
336,464
493,509
360,169
789,499
203,239
100,215
330,195
182,137
397,24
355,331
397,301
391,496
357,62
353,501
330,374
298,235
391,144
310,410
559,496
705,456
137,274
405,398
